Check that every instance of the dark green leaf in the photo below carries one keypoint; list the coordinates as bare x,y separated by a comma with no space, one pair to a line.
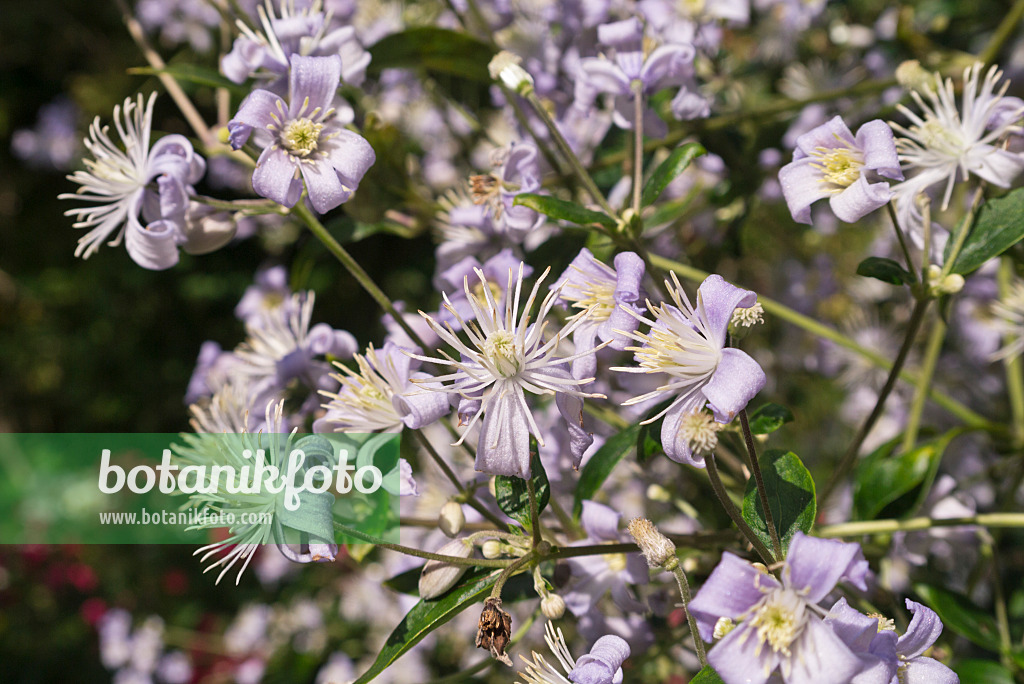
560,209
512,493
791,498
648,439
193,73
407,582
426,616
881,478
601,464
707,676
769,418
669,170
886,270
982,672
1000,225
434,49
959,614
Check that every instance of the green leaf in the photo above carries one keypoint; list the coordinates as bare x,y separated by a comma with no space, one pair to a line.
791,498
1000,225
881,478
769,418
976,671
426,616
707,676
560,209
601,464
669,170
512,493
959,614
193,73
886,270
435,49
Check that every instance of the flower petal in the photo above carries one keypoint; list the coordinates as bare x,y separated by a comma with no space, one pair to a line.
351,156
924,629
814,566
274,177
820,656
315,78
860,199
877,143
736,381
324,187
154,247
731,590
802,186
504,446
720,300
260,109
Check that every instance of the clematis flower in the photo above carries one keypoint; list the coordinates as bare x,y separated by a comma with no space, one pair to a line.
830,162
303,140
603,296
116,182
297,31
603,665
506,357
777,626
945,143
665,66
687,343
381,396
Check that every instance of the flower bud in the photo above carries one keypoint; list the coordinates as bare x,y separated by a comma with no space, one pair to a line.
658,550
491,549
505,66
437,576
451,519
553,606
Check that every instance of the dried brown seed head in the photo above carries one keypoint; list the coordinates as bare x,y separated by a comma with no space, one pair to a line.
494,630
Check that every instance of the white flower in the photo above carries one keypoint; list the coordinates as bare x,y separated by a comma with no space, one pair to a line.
505,358
540,671
115,183
945,143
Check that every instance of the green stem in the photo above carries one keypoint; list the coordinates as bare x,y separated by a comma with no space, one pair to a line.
1006,29
515,567
684,593
638,142
931,357
734,515
1012,365
409,551
962,233
762,491
354,269
857,529
559,552
531,490
570,156
848,459
467,495
812,326
903,242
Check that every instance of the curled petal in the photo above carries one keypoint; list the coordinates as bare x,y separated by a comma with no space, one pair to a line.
878,145
924,629
720,299
154,247
260,109
802,186
860,199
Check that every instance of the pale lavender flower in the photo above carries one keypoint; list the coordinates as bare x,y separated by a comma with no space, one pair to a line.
871,639
303,31
665,66
516,171
180,21
303,140
268,292
603,665
914,667
116,183
777,626
944,143
495,270
688,343
506,357
606,293
53,142
595,576
382,395
830,162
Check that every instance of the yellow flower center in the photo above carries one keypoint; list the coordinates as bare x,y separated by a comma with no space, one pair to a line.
779,621
616,561
301,136
839,166
500,349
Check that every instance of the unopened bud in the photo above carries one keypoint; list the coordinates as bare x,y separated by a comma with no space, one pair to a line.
505,66
491,548
438,576
553,606
451,520
939,285
912,76
658,550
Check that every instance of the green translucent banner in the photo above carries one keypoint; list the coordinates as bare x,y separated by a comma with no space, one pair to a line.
196,488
